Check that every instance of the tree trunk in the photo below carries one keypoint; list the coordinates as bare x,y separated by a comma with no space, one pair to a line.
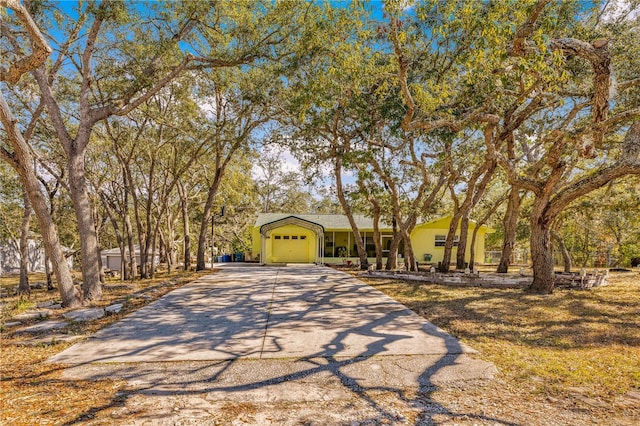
22,162
112,215
129,240
409,257
23,286
510,223
172,255
362,253
91,284
541,256
377,241
566,256
472,249
462,242
448,245
204,226
152,260
97,220
184,206
392,260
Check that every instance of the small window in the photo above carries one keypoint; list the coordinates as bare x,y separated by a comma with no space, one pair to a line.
442,239
286,237
294,237
277,237
303,237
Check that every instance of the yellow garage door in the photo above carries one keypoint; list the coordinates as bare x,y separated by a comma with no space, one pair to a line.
290,249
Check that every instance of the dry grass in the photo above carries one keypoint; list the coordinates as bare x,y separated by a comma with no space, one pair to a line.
568,358
581,344
33,391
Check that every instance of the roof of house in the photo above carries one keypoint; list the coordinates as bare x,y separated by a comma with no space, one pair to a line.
328,221
116,251
335,221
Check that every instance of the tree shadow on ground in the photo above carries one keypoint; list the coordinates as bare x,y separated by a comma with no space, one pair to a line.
245,330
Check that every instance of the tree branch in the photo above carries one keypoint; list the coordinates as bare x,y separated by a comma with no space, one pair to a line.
40,47
527,27
628,164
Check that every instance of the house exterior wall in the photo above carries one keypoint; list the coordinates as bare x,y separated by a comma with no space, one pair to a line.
423,241
113,261
255,243
10,257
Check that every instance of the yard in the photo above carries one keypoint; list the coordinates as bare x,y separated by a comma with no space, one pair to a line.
568,358
32,391
574,352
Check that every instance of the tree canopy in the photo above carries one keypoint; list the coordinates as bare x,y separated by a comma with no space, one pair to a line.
139,121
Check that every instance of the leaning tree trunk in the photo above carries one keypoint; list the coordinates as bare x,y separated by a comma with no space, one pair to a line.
462,242
362,253
448,245
90,261
541,256
23,286
392,260
21,161
510,227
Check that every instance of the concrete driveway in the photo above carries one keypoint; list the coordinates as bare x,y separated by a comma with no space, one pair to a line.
264,334
266,312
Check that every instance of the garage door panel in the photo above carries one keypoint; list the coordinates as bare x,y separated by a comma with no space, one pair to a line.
291,251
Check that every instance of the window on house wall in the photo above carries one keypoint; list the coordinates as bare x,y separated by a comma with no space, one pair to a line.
442,239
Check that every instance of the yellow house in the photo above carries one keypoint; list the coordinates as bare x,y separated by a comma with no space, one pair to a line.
328,238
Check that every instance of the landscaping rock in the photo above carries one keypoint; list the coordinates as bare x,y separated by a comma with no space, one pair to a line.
84,314
47,304
52,339
114,309
44,326
31,315
12,324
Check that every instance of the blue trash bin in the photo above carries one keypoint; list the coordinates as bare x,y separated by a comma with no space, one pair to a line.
226,258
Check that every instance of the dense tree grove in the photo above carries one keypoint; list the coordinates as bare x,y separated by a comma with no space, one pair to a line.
131,125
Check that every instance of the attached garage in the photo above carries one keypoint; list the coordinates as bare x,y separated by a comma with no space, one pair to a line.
291,240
